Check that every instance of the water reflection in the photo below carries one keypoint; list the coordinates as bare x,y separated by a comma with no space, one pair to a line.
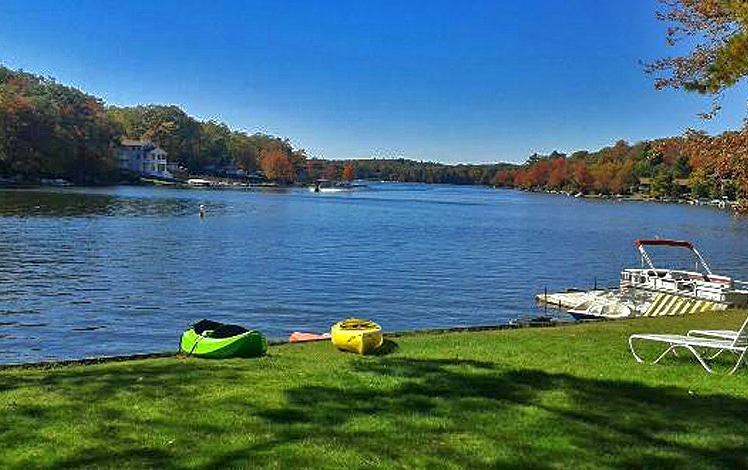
40,203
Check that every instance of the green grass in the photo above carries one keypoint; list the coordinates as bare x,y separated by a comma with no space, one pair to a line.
566,397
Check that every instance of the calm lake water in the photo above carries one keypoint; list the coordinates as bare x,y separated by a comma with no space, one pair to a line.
100,272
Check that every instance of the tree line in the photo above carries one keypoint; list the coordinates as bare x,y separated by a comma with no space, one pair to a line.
408,171
665,168
49,130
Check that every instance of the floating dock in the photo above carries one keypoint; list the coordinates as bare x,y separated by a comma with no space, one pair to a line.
569,299
645,304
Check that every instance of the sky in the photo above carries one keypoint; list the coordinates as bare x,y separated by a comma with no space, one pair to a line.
449,81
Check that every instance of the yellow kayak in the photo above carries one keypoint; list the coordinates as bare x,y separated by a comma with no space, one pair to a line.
359,336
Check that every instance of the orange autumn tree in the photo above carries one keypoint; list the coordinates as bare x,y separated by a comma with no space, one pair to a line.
558,175
277,167
603,174
349,172
624,178
504,178
582,176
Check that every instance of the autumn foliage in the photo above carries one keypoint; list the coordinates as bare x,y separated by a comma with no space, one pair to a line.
696,165
53,131
349,172
277,166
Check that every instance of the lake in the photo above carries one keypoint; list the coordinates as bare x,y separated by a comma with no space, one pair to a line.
89,272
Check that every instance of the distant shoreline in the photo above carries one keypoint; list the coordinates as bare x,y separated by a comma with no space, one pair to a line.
639,197
226,183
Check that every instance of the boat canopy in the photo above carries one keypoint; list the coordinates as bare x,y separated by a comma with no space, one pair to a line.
664,242
641,243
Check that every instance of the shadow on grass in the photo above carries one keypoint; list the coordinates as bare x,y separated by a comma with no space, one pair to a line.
388,347
387,411
470,414
110,415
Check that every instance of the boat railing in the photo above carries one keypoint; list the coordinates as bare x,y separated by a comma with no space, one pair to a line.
740,285
684,288
709,292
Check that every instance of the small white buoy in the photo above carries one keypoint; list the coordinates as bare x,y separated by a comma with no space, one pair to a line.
202,210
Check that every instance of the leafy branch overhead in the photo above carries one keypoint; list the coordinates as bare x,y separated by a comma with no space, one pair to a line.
717,33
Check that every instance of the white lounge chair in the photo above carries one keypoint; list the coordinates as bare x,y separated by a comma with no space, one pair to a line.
719,334
696,340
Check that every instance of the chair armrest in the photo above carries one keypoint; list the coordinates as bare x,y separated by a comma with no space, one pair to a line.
724,334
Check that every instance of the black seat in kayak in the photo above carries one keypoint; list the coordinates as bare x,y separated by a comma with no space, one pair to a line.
220,330
204,325
227,331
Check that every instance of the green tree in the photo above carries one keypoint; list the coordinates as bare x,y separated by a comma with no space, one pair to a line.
702,186
243,152
715,32
167,126
215,139
663,184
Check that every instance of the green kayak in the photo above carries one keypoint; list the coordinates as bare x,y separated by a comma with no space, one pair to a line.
216,340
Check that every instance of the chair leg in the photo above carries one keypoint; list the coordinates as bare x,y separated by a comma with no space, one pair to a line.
715,355
737,364
690,348
671,348
633,352
698,357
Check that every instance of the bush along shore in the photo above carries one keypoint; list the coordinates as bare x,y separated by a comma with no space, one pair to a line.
565,397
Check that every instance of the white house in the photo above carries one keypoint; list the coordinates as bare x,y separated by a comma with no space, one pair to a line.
143,157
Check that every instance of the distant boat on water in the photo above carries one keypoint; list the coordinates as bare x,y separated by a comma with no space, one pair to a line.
330,186
199,182
59,182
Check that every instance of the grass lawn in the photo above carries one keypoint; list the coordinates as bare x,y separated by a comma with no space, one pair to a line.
565,397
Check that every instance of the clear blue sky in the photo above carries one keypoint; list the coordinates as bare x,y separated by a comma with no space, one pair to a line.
451,81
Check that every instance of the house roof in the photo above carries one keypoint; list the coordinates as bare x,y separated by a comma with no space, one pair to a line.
134,143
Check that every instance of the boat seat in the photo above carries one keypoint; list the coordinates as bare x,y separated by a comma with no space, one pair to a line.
217,329
227,331
204,325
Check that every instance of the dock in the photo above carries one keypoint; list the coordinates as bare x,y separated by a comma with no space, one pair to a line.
568,299
645,304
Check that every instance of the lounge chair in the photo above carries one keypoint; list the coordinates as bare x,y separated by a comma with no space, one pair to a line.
700,340
719,334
